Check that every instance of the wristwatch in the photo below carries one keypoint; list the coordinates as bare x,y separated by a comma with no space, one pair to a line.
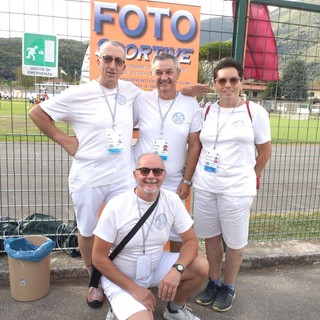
188,182
179,267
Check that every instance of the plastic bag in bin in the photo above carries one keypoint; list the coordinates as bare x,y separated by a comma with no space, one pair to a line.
22,249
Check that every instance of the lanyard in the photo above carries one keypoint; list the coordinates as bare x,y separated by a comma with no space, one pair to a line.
113,113
164,117
144,237
219,130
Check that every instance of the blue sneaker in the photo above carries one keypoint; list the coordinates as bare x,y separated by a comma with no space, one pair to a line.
207,296
223,301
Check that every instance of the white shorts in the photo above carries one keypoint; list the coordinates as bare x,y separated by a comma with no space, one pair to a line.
216,214
87,203
122,302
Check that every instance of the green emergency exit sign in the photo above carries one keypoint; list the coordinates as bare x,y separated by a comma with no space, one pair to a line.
40,55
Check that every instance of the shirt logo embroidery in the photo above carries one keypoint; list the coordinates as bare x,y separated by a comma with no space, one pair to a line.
178,118
161,221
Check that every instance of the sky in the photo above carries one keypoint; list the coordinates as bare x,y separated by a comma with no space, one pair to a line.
49,16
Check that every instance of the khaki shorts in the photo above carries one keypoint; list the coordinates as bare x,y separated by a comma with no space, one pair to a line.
216,214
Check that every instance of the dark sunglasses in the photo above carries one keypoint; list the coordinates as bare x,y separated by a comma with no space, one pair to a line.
223,81
157,172
108,59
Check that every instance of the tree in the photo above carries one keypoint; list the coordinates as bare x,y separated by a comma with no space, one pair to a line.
22,80
214,51
294,80
209,54
273,90
204,73
10,53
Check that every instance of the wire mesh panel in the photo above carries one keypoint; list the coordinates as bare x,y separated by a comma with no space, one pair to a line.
34,170
289,202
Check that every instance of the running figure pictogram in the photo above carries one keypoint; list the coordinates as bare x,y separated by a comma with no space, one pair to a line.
32,53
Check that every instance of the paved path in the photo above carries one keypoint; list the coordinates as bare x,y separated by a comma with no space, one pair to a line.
277,281
287,293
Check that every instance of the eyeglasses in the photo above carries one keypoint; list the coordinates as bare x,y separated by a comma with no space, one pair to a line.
157,172
223,81
108,59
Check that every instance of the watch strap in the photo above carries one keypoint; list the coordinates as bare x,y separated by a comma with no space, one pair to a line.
179,267
188,182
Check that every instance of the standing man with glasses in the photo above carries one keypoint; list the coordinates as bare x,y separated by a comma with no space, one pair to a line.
100,113
169,125
143,263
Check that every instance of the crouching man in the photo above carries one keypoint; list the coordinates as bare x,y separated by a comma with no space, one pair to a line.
143,263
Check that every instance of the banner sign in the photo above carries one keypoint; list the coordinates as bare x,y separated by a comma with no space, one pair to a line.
147,28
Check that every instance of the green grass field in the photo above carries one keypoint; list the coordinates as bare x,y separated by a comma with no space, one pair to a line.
14,120
284,226
300,131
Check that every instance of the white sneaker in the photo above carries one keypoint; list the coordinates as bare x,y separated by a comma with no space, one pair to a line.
183,314
111,315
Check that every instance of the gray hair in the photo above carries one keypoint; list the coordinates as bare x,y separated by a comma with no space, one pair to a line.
114,43
165,56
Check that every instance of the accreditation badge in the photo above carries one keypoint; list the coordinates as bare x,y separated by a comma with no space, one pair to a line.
114,141
160,147
211,161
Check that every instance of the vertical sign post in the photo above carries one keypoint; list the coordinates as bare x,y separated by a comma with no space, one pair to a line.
40,55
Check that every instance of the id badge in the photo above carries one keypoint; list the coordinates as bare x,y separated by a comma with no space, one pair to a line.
160,147
211,162
143,266
114,141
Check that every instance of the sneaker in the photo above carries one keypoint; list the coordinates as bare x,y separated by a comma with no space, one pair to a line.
183,314
111,315
208,294
223,301
95,297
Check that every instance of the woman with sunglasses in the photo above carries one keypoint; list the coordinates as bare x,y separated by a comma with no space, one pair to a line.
236,146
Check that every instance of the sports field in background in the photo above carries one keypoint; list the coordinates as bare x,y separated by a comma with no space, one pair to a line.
14,120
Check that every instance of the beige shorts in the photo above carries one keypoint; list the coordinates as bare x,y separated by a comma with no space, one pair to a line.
216,214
